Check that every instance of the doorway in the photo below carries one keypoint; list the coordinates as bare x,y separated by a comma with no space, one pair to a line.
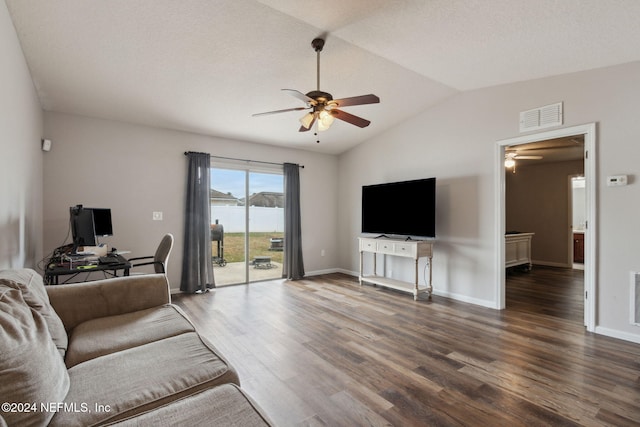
588,133
247,223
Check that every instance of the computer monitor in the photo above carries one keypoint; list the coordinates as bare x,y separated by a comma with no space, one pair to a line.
102,221
82,226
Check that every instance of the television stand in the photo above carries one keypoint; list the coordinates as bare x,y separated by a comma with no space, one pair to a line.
414,249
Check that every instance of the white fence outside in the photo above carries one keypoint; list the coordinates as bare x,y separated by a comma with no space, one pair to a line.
261,219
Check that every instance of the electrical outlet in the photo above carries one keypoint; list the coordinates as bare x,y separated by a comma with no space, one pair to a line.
322,252
157,216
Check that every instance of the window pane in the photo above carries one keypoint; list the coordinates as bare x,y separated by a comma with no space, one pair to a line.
228,225
266,225
247,222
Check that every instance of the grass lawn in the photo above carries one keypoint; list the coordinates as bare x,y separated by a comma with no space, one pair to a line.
259,244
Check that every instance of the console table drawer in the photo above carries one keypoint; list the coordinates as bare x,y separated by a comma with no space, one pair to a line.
368,245
385,247
412,249
405,249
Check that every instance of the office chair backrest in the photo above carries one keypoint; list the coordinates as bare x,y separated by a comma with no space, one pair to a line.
162,253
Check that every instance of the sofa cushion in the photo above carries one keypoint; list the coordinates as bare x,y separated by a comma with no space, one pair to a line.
142,378
31,368
105,335
78,302
34,293
222,406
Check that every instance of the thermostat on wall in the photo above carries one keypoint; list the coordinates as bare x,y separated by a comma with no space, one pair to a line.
614,180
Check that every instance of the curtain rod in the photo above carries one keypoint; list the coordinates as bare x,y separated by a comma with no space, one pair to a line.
240,160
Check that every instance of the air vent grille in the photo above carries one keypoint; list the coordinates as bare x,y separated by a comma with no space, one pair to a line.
542,117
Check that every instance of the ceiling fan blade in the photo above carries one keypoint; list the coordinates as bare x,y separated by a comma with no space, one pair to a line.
279,111
527,157
350,118
356,100
301,96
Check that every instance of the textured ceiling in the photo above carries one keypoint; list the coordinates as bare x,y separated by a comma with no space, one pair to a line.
206,66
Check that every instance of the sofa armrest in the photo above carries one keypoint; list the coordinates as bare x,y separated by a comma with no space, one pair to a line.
78,302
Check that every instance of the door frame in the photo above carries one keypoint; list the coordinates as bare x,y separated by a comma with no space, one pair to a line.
590,285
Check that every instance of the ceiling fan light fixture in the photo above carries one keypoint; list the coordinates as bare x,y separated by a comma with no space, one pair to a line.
325,119
306,120
509,163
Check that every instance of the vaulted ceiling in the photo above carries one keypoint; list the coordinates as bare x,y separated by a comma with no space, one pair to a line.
206,66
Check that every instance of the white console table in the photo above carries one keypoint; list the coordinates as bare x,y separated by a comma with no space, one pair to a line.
414,249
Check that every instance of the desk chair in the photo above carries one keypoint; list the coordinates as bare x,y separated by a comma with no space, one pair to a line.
160,258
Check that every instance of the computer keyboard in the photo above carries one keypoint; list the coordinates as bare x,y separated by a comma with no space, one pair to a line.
109,259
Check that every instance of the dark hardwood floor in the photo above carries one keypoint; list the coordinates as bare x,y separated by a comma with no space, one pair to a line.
550,291
325,351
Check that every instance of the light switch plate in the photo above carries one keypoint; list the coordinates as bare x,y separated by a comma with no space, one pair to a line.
616,180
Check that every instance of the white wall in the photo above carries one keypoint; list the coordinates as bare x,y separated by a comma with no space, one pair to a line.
136,170
455,142
20,155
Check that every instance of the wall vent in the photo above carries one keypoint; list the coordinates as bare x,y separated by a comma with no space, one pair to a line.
635,298
542,117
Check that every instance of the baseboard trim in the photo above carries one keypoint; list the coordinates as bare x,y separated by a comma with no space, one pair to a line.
466,299
621,335
551,264
321,272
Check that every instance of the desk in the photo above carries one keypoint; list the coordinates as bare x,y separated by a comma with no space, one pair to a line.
55,270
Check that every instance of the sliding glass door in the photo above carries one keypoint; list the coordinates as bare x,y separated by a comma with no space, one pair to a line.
247,223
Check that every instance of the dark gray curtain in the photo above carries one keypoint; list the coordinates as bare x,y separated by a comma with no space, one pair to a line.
292,267
197,268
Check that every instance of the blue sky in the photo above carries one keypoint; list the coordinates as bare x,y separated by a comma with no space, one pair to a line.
232,181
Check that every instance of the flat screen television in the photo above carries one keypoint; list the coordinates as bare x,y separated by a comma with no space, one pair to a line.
406,208
102,221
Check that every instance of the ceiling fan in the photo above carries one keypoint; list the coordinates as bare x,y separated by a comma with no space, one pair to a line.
323,108
511,157
514,155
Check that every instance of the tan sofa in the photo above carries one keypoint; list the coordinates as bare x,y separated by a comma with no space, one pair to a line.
113,351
